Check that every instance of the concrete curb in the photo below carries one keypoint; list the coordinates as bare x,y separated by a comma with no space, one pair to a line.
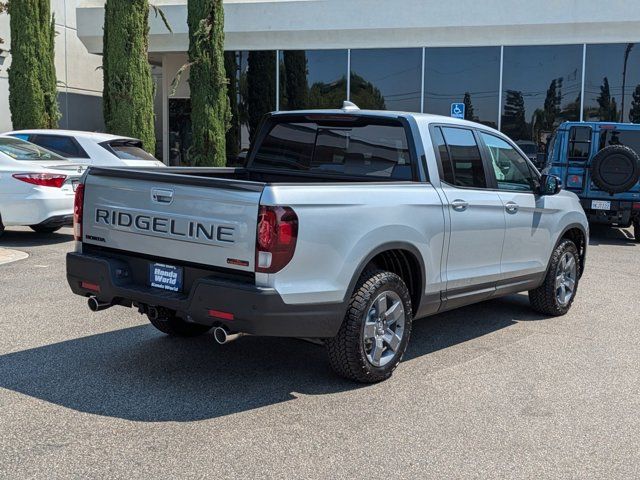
9,256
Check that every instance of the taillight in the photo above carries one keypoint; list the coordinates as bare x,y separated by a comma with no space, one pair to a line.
78,207
42,179
276,238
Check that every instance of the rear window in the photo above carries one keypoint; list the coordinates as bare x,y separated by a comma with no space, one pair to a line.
579,143
360,148
24,151
629,138
129,150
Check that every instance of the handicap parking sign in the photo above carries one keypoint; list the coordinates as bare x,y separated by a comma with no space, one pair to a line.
457,110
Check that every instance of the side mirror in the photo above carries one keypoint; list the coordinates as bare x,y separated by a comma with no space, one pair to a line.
550,185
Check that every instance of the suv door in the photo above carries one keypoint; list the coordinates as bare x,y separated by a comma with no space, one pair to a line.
477,220
529,218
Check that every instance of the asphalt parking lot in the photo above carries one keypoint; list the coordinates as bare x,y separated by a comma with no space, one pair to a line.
489,391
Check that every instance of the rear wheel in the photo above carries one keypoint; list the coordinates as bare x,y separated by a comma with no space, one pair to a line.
40,229
556,295
636,229
167,322
376,329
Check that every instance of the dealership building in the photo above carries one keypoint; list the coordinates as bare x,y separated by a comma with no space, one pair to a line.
520,66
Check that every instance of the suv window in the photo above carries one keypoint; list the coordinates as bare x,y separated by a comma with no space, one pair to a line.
510,169
362,148
465,161
65,146
579,143
629,138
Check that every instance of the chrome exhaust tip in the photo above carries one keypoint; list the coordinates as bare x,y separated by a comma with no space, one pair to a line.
223,336
96,305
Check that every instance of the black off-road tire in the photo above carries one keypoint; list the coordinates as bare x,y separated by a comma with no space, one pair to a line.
544,298
44,230
171,325
346,351
636,229
615,169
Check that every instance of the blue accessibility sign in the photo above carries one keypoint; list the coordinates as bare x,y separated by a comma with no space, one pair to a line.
457,110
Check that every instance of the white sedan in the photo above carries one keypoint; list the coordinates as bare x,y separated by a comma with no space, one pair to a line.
36,186
91,148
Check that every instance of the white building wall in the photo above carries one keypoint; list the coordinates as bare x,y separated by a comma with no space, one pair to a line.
313,24
77,70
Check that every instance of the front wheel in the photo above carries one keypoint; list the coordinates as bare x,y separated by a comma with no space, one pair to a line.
376,329
556,295
44,230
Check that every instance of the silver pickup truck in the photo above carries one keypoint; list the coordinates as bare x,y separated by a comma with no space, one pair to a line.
344,225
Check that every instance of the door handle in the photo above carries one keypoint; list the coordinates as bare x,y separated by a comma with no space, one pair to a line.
512,207
459,205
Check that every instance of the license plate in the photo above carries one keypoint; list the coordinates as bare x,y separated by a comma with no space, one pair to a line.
165,277
601,205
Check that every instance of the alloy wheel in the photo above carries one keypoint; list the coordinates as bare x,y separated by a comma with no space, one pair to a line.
384,328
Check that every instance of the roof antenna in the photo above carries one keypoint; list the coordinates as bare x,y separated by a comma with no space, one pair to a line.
349,106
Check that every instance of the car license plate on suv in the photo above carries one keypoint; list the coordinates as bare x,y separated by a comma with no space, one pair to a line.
165,277
601,205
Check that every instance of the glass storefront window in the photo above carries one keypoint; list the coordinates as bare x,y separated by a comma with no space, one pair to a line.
387,79
252,94
179,131
612,83
541,89
463,75
312,79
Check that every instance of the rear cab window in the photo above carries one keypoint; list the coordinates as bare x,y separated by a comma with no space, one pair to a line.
344,146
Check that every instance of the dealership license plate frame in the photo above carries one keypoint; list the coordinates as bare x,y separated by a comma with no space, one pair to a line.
604,205
166,277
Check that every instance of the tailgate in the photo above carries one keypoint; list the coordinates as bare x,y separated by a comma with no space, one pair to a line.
208,221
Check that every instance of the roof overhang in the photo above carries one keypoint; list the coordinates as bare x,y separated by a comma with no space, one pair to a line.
322,24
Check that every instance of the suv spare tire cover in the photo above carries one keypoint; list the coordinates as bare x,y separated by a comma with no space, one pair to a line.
615,169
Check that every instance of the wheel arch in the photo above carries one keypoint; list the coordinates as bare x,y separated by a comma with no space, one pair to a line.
579,235
401,258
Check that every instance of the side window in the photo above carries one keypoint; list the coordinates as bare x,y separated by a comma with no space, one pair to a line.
579,143
447,169
511,170
465,158
64,146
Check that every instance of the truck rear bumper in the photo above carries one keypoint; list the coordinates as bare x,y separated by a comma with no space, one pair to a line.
622,213
255,310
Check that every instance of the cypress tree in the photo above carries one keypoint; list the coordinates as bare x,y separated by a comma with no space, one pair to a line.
261,87
128,85
297,87
210,112
233,135
33,94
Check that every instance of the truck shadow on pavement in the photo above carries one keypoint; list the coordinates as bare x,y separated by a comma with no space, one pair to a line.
137,374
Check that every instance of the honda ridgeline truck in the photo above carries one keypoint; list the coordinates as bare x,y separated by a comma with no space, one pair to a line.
600,163
344,225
